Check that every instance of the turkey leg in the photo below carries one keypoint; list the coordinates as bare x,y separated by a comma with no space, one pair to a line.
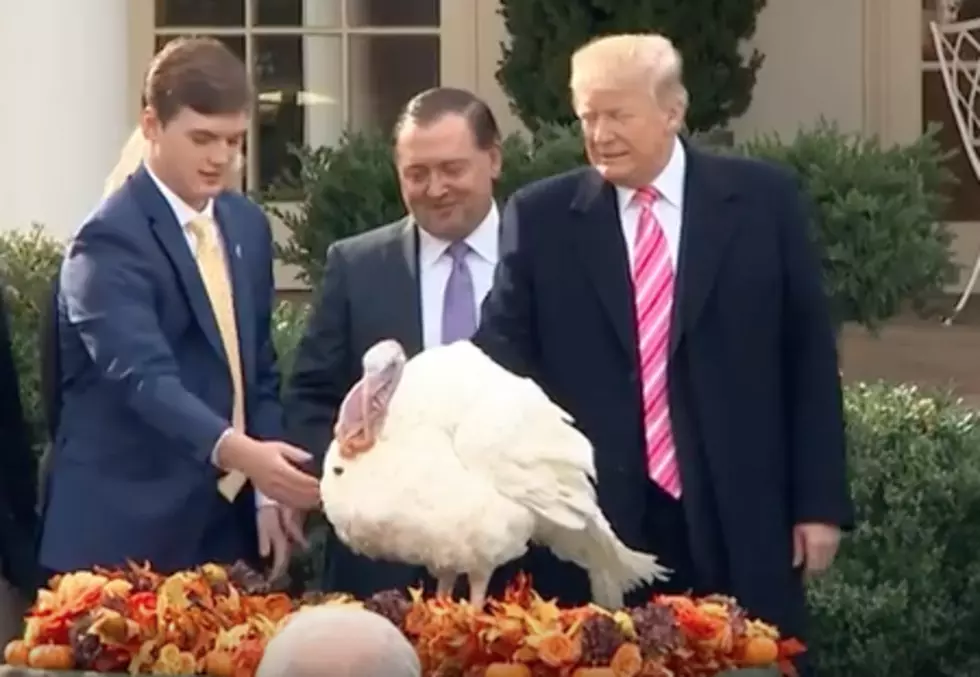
478,589
445,584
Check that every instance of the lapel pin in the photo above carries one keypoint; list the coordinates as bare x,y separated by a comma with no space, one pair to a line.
238,251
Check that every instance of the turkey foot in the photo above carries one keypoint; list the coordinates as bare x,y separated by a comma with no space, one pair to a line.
478,590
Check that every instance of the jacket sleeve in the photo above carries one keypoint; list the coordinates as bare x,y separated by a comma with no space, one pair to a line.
108,294
266,421
814,398
506,331
321,373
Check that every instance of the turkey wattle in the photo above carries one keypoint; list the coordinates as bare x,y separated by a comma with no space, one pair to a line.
449,461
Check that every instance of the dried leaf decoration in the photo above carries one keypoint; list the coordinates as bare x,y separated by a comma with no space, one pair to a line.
217,621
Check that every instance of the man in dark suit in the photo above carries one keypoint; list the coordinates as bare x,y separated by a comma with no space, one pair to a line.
419,280
167,369
18,496
711,395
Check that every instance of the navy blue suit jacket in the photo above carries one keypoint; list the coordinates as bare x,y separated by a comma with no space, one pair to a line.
753,382
146,390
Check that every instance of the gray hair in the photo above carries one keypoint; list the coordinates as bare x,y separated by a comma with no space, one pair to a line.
631,58
339,641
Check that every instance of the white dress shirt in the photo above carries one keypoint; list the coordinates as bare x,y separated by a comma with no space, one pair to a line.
184,214
667,209
435,265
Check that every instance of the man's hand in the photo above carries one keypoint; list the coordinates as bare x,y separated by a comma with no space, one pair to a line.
272,468
272,539
278,529
292,523
814,547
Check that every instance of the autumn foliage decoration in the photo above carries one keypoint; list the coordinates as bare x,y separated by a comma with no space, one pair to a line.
217,620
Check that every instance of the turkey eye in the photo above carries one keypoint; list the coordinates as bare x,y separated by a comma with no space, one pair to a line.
338,471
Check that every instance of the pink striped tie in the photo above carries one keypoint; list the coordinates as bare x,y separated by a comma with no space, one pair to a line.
653,284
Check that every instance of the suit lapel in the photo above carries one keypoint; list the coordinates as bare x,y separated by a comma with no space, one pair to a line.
598,235
707,226
174,242
403,288
241,298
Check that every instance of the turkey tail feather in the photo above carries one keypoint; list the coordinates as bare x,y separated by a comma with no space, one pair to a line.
615,569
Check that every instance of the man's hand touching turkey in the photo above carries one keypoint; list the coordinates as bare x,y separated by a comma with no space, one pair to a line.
279,529
273,467
814,547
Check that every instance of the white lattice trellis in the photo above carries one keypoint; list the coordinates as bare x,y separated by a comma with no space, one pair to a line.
958,53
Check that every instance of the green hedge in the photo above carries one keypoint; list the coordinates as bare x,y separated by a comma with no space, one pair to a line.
879,217
877,208
901,600
29,261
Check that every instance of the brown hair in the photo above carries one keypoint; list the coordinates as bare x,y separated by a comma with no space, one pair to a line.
431,105
197,73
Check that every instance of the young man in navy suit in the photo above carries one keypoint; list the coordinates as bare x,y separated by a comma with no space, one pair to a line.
166,448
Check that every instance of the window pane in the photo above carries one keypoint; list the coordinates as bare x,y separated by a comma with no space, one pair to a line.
299,87
392,12
200,13
965,204
934,10
236,43
385,72
319,13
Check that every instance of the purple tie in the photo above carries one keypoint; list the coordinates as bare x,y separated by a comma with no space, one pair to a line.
459,302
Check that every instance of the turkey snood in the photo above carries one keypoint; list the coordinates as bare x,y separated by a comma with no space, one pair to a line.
363,411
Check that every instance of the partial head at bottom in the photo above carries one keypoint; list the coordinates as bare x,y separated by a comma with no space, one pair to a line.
339,641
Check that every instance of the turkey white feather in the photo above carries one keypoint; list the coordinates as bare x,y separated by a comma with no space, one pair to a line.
451,462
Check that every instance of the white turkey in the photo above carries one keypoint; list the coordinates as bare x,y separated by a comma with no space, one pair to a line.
451,462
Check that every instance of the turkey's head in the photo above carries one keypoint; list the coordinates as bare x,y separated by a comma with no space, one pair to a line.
362,413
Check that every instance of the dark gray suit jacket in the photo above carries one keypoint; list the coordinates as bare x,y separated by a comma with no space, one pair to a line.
369,292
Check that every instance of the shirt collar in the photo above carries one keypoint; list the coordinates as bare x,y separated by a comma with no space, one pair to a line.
484,240
669,184
183,212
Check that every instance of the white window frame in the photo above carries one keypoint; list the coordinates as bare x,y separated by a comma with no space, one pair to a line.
249,31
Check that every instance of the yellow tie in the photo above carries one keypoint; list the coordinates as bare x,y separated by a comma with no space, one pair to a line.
214,273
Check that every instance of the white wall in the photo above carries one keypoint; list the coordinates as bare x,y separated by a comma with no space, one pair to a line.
64,68
814,67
